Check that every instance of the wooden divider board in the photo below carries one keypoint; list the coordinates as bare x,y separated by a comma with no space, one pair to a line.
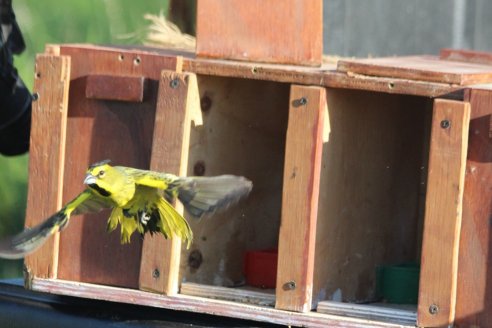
443,211
47,156
178,104
304,144
474,290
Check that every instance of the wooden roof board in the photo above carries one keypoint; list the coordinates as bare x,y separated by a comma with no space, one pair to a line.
420,68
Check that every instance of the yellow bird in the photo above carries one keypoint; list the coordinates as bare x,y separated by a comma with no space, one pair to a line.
140,201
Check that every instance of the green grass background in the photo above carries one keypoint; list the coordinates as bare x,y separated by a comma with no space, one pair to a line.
54,21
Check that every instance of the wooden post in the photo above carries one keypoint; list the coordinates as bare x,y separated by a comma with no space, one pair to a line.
46,158
300,198
178,104
474,290
443,211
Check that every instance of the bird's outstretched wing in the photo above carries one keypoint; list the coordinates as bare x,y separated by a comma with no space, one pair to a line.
17,246
199,195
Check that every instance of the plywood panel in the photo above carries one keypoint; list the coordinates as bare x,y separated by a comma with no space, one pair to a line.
474,290
289,32
47,156
304,144
369,190
443,210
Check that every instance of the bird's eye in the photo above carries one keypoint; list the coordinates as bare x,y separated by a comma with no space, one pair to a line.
101,174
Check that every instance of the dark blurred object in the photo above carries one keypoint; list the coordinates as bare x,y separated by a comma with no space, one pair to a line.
15,99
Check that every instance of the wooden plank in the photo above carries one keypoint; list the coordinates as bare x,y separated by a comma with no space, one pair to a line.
121,88
250,295
47,156
261,30
204,305
421,68
114,61
178,105
300,198
443,211
469,56
474,290
403,314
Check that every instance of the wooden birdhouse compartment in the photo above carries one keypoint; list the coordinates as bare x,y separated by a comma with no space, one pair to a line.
351,171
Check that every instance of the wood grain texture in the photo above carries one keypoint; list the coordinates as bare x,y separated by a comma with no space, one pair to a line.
205,305
443,212
370,190
289,32
304,144
120,88
104,129
178,104
47,156
421,68
469,56
474,290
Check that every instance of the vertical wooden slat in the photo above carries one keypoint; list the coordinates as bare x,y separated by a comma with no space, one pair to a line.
177,105
300,198
474,290
443,210
46,156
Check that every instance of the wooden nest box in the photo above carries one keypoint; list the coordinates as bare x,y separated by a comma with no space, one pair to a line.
355,165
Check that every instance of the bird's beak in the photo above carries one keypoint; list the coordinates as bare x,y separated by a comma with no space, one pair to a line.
89,179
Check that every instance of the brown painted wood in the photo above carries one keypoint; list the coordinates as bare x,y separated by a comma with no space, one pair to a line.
470,56
474,291
421,68
261,30
178,104
120,88
443,211
302,165
205,305
102,129
47,156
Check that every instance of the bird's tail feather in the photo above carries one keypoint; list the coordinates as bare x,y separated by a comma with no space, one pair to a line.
202,195
27,241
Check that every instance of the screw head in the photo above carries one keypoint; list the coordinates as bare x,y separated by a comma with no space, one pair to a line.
156,273
35,96
290,285
303,101
174,83
433,309
445,124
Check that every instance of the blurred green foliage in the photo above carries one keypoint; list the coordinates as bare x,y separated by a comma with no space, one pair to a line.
54,21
